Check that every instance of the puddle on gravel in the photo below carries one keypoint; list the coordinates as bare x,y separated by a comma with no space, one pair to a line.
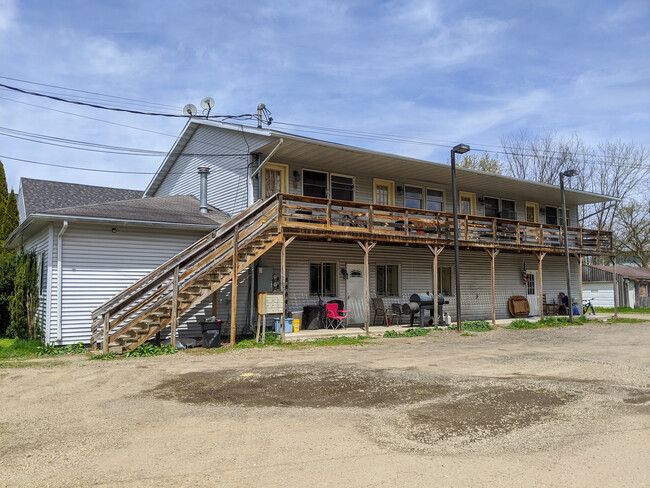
305,386
482,412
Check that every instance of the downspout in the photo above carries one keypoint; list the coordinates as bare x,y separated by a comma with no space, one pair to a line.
59,282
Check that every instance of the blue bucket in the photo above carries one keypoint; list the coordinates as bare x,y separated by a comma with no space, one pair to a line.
277,325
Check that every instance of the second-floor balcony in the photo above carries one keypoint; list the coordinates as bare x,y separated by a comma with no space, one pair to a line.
343,220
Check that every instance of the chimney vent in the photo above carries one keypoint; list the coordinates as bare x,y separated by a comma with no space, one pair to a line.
203,200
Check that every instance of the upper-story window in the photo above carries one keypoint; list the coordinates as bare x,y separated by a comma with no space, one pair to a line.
314,183
413,196
274,179
508,209
342,187
499,207
491,207
435,199
551,215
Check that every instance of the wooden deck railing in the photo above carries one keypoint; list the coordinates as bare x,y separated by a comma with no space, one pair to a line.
397,223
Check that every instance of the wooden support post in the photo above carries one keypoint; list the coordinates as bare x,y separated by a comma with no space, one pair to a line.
214,304
235,272
615,286
371,217
283,271
107,324
264,328
329,214
174,321
435,250
406,222
280,216
493,254
257,333
366,247
540,256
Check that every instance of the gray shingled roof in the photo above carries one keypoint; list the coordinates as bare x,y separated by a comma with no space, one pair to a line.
40,195
177,209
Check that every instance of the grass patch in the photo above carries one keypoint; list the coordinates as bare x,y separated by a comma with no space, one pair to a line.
476,326
18,363
618,320
622,310
522,324
466,334
18,348
415,332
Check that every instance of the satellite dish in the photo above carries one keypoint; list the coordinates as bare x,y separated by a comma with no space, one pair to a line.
189,109
207,103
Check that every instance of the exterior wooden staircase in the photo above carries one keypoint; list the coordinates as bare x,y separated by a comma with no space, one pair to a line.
160,298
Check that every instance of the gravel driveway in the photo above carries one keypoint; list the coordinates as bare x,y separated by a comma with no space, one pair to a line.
548,407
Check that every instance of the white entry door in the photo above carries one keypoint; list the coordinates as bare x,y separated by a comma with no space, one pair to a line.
355,292
532,292
631,297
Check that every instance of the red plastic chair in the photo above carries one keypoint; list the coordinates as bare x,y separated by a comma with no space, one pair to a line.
334,317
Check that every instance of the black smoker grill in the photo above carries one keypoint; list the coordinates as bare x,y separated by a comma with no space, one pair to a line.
420,302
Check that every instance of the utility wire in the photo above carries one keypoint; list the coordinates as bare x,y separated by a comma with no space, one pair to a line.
92,93
98,170
116,109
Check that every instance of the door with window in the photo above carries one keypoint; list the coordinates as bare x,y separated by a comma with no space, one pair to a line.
532,212
383,192
467,203
274,179
355,293
532,292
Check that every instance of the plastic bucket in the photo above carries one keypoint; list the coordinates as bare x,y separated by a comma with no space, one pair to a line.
288,326
296,325
277,325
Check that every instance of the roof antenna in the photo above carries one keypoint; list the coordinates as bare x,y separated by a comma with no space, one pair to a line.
207,104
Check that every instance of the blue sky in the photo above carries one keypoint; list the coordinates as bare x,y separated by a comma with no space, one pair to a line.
462,71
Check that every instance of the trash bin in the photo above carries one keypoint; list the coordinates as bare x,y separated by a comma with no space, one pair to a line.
211,332
288,326
276,325
310,317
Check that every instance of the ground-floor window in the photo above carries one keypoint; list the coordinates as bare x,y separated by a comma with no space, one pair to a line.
322,279
387,280
444,280
643,289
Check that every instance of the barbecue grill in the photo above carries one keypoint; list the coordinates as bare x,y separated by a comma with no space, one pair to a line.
419,303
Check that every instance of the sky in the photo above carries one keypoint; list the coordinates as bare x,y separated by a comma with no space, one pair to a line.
443,72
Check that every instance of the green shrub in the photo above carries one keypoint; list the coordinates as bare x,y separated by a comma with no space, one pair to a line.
151,350
522,324
52,350
415,332
476,326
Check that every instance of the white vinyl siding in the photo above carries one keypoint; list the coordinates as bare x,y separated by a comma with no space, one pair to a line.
416,274
98,264
227,181
39,244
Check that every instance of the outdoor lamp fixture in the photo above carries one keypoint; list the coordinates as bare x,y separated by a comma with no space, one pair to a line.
458,149
568,173
296,176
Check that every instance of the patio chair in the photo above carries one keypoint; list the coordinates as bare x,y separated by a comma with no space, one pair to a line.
335,317
396,310
381,311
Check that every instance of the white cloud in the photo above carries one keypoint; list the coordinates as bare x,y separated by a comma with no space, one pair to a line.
7,14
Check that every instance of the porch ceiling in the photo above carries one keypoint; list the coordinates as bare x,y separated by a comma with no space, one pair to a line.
349,160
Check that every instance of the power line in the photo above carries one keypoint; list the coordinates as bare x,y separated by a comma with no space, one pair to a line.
98,170
91,93
116,109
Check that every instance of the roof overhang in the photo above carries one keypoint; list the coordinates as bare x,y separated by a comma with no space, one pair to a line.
351,160
36,222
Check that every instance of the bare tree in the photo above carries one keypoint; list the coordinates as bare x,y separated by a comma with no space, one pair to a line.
632,232
616,169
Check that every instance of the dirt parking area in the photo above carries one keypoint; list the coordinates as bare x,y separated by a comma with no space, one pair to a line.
548,407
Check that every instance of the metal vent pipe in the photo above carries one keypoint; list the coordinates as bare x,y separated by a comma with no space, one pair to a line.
203,200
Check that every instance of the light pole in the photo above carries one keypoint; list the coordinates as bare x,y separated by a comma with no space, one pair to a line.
458,149
568,173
